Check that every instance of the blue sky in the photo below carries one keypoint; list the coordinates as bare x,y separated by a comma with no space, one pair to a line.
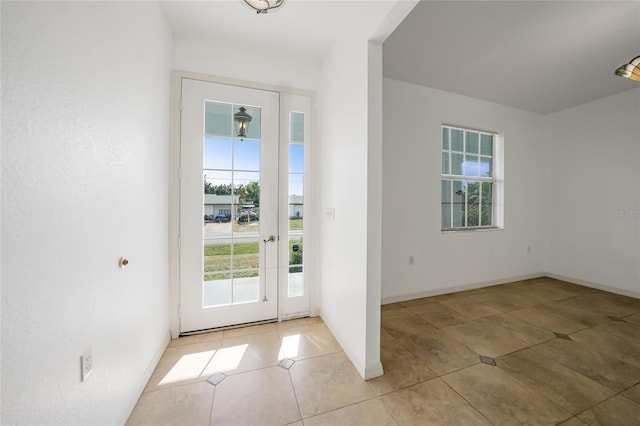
222,155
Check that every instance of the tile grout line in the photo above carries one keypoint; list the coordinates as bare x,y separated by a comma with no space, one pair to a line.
212,401
349,405
465,399
508,311
295,394
608,399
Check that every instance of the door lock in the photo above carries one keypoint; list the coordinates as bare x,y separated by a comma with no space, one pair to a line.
271,239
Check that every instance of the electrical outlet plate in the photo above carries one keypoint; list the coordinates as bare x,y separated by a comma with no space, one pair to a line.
86,364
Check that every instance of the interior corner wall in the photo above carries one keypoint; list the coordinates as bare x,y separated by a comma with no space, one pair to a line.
411,218
592,193
85,143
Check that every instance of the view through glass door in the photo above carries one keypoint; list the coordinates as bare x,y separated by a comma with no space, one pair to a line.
229,215
294,206
244,206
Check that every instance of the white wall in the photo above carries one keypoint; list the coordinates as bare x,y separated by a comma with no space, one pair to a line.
342,189
85,90
349,163
445,262
220,59
592,193
1,195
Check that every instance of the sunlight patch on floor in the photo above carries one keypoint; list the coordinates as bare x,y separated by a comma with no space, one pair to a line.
289,347
228,359
188,367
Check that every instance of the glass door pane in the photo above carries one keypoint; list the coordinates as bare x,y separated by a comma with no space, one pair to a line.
294,244
295,286
231,169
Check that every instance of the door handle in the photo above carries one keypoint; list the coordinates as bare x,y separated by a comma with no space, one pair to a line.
270,239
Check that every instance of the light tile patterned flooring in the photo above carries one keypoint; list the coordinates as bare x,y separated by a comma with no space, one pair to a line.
563,354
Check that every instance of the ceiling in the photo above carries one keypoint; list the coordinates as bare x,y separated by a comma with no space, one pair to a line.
540,56
301,29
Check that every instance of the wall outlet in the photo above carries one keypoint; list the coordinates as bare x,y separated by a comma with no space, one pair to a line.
86,364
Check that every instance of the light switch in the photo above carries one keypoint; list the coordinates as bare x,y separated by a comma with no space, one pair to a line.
331,213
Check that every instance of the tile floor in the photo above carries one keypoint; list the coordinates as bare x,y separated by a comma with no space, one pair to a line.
538,352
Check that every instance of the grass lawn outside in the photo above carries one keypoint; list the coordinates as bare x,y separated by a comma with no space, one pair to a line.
246,260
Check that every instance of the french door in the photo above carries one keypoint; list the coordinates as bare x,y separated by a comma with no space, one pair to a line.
238,190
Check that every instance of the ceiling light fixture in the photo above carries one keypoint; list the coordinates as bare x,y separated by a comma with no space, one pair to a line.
242,120
630,70
263,6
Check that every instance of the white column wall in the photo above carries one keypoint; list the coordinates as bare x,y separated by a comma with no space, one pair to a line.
349,184
342,195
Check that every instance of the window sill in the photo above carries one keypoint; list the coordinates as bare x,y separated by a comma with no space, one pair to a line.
479,229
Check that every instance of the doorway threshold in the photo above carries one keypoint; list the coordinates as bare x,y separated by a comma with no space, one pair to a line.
228,327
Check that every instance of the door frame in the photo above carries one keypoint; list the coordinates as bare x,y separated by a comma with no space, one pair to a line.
174,190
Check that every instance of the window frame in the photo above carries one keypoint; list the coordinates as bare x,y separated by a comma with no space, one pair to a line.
467,179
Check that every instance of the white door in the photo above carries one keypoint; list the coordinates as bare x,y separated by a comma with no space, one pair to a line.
229,200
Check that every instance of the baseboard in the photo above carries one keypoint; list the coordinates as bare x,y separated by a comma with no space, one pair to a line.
348,350
373,371
473,286
147,375
598,286
457,288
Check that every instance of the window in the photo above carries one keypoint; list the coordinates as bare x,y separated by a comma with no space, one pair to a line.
468,179
296,203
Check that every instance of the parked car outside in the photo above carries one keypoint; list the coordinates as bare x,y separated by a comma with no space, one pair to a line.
222,217
248,216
